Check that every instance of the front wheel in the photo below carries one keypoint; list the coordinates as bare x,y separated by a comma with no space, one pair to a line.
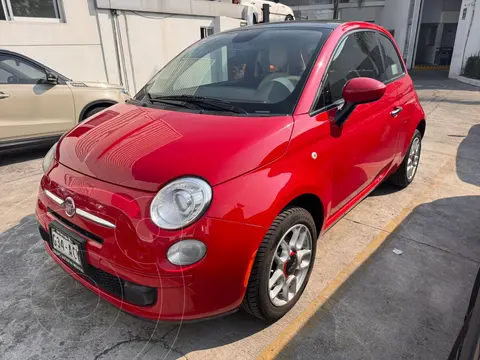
289,18
408,169
282,265
93,111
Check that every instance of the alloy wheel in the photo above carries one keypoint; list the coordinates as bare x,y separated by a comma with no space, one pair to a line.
413,158
290,264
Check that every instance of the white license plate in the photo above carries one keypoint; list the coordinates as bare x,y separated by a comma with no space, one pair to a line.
67,248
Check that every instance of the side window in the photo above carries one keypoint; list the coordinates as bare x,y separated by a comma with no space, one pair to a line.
4,75
357,55
20,71
393,64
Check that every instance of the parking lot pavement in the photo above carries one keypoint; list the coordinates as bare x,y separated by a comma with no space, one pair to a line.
362,302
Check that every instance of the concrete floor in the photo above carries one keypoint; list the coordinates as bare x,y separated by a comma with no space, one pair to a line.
362,301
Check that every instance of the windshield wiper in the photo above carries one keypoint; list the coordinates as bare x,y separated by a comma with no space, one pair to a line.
167,101
202,100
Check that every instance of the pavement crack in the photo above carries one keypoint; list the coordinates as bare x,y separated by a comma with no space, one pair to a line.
138,339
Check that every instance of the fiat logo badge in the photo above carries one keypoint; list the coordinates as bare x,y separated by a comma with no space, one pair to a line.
69,206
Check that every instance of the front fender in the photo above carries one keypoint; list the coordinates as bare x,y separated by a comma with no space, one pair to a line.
256,198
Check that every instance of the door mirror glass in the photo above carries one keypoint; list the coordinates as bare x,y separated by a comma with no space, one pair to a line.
363,90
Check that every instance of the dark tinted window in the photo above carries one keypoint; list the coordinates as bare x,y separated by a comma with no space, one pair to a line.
35,8
393,64
358,55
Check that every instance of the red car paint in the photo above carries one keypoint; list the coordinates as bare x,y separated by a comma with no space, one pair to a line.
115,163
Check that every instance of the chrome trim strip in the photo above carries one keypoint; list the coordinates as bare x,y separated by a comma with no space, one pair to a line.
54,197
87,215
80,212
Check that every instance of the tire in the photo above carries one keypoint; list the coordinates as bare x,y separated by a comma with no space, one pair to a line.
257,300
93,111
289,18
401,177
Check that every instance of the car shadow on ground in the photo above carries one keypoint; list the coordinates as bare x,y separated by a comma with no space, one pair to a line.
17,156
468,157
410,305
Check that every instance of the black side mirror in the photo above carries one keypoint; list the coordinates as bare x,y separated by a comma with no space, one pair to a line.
52,79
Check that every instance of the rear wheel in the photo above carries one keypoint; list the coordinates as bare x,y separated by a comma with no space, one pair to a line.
408,169
289,18
282,266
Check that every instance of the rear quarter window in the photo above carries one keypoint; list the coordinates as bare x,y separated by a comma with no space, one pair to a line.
393,65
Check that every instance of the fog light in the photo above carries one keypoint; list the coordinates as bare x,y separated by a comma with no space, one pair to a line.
186,252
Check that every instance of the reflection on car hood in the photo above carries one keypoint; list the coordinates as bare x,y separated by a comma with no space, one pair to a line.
144,148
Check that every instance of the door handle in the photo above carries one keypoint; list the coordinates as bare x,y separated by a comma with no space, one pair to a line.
3,95
396,111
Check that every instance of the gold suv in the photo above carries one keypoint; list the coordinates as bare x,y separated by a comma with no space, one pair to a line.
37,104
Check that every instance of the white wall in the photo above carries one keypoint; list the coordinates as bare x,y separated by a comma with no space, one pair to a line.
83,45
395,17
176,7
73,47
153,40
364,13
149,41
223,23
467,41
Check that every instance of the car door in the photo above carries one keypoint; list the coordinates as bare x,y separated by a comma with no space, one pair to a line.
31,107
364,146
401,87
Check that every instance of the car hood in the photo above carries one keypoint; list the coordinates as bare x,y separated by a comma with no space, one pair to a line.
143,148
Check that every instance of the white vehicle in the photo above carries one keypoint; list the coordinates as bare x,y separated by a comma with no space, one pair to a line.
278,11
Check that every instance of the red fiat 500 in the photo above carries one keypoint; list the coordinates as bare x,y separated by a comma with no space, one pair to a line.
207,192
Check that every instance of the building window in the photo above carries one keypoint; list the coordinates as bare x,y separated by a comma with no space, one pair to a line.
205,31
29,9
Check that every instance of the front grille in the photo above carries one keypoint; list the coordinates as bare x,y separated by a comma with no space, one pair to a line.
127,291
77,228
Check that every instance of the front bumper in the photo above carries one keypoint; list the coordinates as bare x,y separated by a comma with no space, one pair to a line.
133,252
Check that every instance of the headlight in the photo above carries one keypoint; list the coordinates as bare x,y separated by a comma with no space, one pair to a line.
186,252
48,159
124,91
180,203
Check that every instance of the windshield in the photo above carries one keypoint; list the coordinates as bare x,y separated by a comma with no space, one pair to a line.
259,70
